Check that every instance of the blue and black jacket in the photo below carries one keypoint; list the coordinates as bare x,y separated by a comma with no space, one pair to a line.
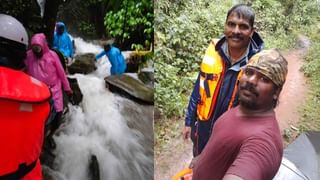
202,130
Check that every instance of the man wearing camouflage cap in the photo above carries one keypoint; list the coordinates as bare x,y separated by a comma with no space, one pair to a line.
246,141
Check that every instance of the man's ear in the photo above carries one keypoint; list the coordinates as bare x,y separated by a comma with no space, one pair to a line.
277,93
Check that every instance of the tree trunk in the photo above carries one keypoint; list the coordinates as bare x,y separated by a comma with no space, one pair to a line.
49,18
97,12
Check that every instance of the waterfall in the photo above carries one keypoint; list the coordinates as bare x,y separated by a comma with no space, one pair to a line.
118,131
41,4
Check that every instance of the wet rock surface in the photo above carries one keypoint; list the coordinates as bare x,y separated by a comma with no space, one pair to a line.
131,88
83,64
76,96
147,77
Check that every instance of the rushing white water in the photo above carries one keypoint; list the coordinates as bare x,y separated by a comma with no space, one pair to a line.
41,4
103,64
117,131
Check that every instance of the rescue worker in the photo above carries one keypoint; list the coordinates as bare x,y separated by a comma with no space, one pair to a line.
44,65
116,59
24,103
63,42
215,89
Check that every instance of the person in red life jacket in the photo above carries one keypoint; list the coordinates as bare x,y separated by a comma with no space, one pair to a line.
24,107
44,65
246,142
215,89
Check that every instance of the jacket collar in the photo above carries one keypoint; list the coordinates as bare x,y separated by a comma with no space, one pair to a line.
256,45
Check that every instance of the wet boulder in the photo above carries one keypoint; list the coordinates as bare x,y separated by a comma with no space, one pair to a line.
77,95
131,88
136,59
84,64
146,75
94,171
133,65
61,58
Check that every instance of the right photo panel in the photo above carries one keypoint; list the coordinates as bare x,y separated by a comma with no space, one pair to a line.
236,90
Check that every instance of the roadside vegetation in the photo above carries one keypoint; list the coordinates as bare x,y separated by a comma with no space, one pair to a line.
183,30
311,68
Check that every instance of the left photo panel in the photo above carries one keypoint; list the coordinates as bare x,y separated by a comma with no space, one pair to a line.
76,90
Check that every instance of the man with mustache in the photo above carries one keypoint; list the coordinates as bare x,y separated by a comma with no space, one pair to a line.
215,89
246,141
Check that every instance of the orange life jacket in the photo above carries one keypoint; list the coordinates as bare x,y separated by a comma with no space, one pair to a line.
24,108
211,70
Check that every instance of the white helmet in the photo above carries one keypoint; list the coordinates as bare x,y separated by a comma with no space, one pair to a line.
12,29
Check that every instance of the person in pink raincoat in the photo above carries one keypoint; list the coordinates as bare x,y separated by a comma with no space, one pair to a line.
44,65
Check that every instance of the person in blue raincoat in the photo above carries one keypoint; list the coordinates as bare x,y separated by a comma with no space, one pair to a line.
62,40
118,63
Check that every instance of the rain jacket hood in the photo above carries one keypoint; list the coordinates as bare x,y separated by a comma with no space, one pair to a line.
61,24
40,39
115,57
48,69
62,42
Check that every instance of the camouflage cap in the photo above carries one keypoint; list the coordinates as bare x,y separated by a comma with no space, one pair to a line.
271,64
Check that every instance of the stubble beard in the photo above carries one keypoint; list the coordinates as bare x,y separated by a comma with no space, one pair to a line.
249,104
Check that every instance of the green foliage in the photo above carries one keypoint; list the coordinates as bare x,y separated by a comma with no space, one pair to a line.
280,40
182,34
278,21
187,32
87,29
137,47
132,16
169,90
271,23
311,68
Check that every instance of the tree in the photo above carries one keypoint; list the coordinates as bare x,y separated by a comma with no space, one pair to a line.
49,18
28,13
131,23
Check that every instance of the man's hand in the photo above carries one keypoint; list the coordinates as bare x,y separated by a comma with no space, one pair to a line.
70,60
186,132
193,162
69,93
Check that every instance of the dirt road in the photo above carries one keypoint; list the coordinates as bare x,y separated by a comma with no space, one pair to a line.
293,92
178,155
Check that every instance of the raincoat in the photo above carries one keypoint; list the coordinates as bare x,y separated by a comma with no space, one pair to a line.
48,69
118,64
63,42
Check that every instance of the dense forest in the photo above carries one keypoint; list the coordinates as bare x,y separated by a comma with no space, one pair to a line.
129,22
